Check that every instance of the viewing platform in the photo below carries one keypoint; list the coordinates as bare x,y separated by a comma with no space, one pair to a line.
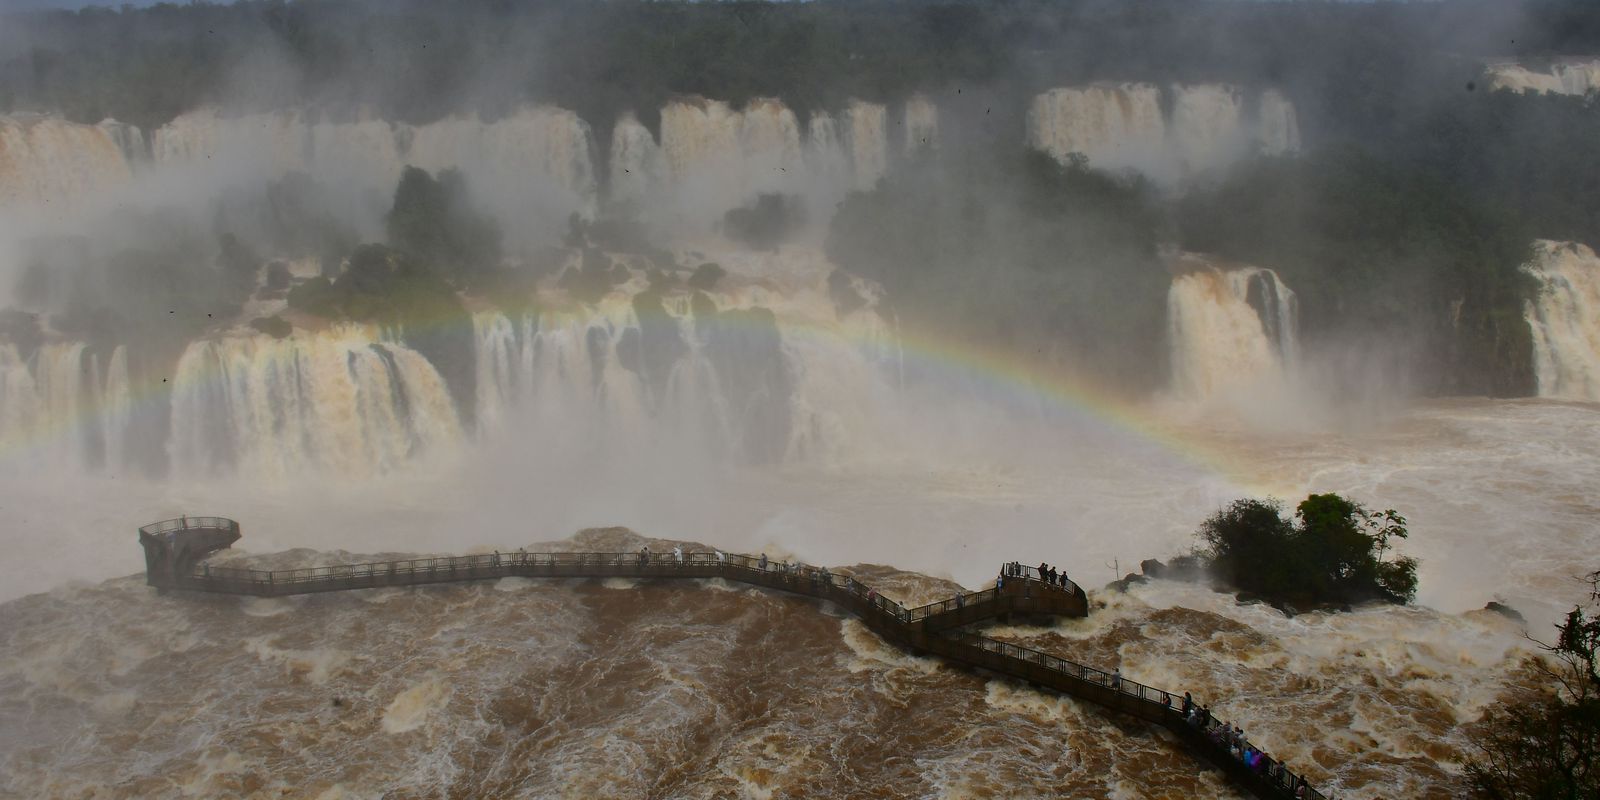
175,553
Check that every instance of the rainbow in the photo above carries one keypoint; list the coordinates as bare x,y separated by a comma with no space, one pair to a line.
1007,373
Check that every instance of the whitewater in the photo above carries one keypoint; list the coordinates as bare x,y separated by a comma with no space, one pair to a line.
775,420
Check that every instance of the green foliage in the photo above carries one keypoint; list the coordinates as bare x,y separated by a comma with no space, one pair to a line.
1014,249
1380,251
433,222
1334,553
1545,744
765,222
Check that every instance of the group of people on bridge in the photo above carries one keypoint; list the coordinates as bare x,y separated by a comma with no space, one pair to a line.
1049,575
1231,738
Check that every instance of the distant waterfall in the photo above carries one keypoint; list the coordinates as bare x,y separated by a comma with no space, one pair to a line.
49,160
537,160
717,384
1125,125
337,401
67,404
1571,76
1565,320
1230,329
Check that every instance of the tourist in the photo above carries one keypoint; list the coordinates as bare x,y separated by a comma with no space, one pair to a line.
677,553
1043,570
1188,703
961,600
1116,679
644,555
763,562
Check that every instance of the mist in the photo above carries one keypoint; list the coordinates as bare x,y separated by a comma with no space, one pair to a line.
937,286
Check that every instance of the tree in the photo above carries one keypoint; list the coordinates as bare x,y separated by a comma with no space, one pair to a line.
433,222
1334,553
1545,744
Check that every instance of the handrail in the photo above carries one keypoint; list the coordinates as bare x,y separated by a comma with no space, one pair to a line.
190,523
800,578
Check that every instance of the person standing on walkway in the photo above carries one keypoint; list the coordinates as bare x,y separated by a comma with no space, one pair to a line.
677,553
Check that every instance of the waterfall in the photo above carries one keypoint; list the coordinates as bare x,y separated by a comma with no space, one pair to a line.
1577,77
1122,125
712,157
1206,126
48,160
866,133
536,164
64,405
1229,329
1113,125
1565,320
635,160
744,374
338,401
1278,128
921,123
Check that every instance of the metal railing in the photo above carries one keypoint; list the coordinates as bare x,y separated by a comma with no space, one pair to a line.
190,523
1270,769
1016,570
761,570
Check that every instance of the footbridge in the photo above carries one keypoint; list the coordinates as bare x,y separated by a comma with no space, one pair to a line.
176,552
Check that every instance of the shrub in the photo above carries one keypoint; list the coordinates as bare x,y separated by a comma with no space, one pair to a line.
1333,552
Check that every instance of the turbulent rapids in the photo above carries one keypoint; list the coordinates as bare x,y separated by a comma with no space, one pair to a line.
175,551
859,284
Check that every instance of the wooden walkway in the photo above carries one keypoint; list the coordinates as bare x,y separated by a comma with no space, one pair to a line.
175,552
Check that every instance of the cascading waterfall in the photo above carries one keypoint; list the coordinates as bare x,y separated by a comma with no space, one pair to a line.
338,401
922,124
1229,329
66,405
1122,125
1113,125
1277,127
49,160
1577,77
635,160
536,160
742,375
866,133
1565,320
1207,126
